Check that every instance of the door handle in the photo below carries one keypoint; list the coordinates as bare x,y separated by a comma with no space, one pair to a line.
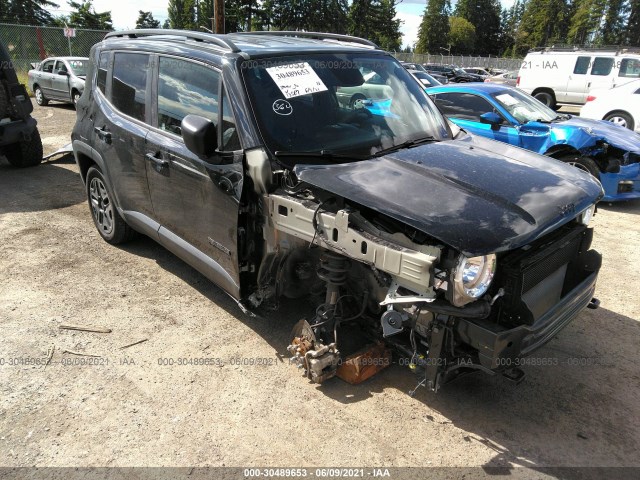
160,162
102,133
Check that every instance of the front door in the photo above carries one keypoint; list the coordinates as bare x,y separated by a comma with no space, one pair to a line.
465,110
195,200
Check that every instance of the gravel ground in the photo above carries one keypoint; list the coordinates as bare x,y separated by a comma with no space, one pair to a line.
129,408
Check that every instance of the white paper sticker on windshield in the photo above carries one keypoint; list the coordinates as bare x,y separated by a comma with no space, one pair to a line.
296,79
506,99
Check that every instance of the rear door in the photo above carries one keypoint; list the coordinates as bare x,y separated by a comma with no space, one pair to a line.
45,75
576,91
196,200
120,124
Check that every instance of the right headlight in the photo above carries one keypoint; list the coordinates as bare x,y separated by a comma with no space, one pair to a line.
585,217
472,278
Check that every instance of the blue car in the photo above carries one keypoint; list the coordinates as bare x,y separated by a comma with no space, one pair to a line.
609,152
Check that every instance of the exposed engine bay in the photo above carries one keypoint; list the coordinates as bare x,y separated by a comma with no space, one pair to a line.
376,278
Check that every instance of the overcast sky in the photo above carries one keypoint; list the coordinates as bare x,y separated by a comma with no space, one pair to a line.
124,14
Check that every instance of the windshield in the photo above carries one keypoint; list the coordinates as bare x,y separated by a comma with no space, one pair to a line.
459,71
339,104
79,67
523,107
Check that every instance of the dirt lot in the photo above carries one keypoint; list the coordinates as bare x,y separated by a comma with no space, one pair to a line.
131,410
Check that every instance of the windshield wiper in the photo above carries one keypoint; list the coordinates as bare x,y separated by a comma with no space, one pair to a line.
328,154
407,144
562,117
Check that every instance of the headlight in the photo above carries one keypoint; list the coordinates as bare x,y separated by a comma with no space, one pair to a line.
472,278
585,217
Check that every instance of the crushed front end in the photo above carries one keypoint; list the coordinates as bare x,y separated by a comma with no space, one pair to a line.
373,278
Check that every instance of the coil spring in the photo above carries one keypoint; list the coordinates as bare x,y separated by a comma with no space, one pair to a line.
333,268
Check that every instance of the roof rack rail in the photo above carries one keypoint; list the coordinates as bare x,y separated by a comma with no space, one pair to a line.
314,35
587,48
214,39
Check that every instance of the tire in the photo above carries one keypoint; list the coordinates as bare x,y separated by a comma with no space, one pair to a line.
586,164
547,98
357,97
27,153
40,98
110,225
621,118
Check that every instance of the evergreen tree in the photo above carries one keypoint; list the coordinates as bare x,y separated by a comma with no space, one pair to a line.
484,15
543,22
205,14
84,15
388,34
434,28
585,21
27,12
614,18
174,13
363,17
632,30
146,20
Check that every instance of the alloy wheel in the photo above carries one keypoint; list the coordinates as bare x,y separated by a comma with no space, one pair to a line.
101,206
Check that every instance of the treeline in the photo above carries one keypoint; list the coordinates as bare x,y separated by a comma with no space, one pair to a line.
371,19
36,12
482,26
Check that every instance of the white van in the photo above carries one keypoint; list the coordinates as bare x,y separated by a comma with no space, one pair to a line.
563,75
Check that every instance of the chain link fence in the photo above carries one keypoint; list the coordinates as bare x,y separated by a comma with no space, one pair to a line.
27,44
462,60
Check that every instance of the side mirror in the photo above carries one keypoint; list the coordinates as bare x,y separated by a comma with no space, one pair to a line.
199,135
492,119
64,73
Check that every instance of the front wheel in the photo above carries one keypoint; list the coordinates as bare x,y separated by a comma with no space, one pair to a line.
75,96
110,225
27,153
585,164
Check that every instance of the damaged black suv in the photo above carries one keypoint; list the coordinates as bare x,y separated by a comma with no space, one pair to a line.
290,164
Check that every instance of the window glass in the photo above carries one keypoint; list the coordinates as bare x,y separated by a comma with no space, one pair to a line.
629,67
602,66
78,66
48,66
465,106
582,65
185,88
230,139
102,71
60,66
129,84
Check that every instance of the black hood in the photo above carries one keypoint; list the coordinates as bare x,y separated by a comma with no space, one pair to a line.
473,194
